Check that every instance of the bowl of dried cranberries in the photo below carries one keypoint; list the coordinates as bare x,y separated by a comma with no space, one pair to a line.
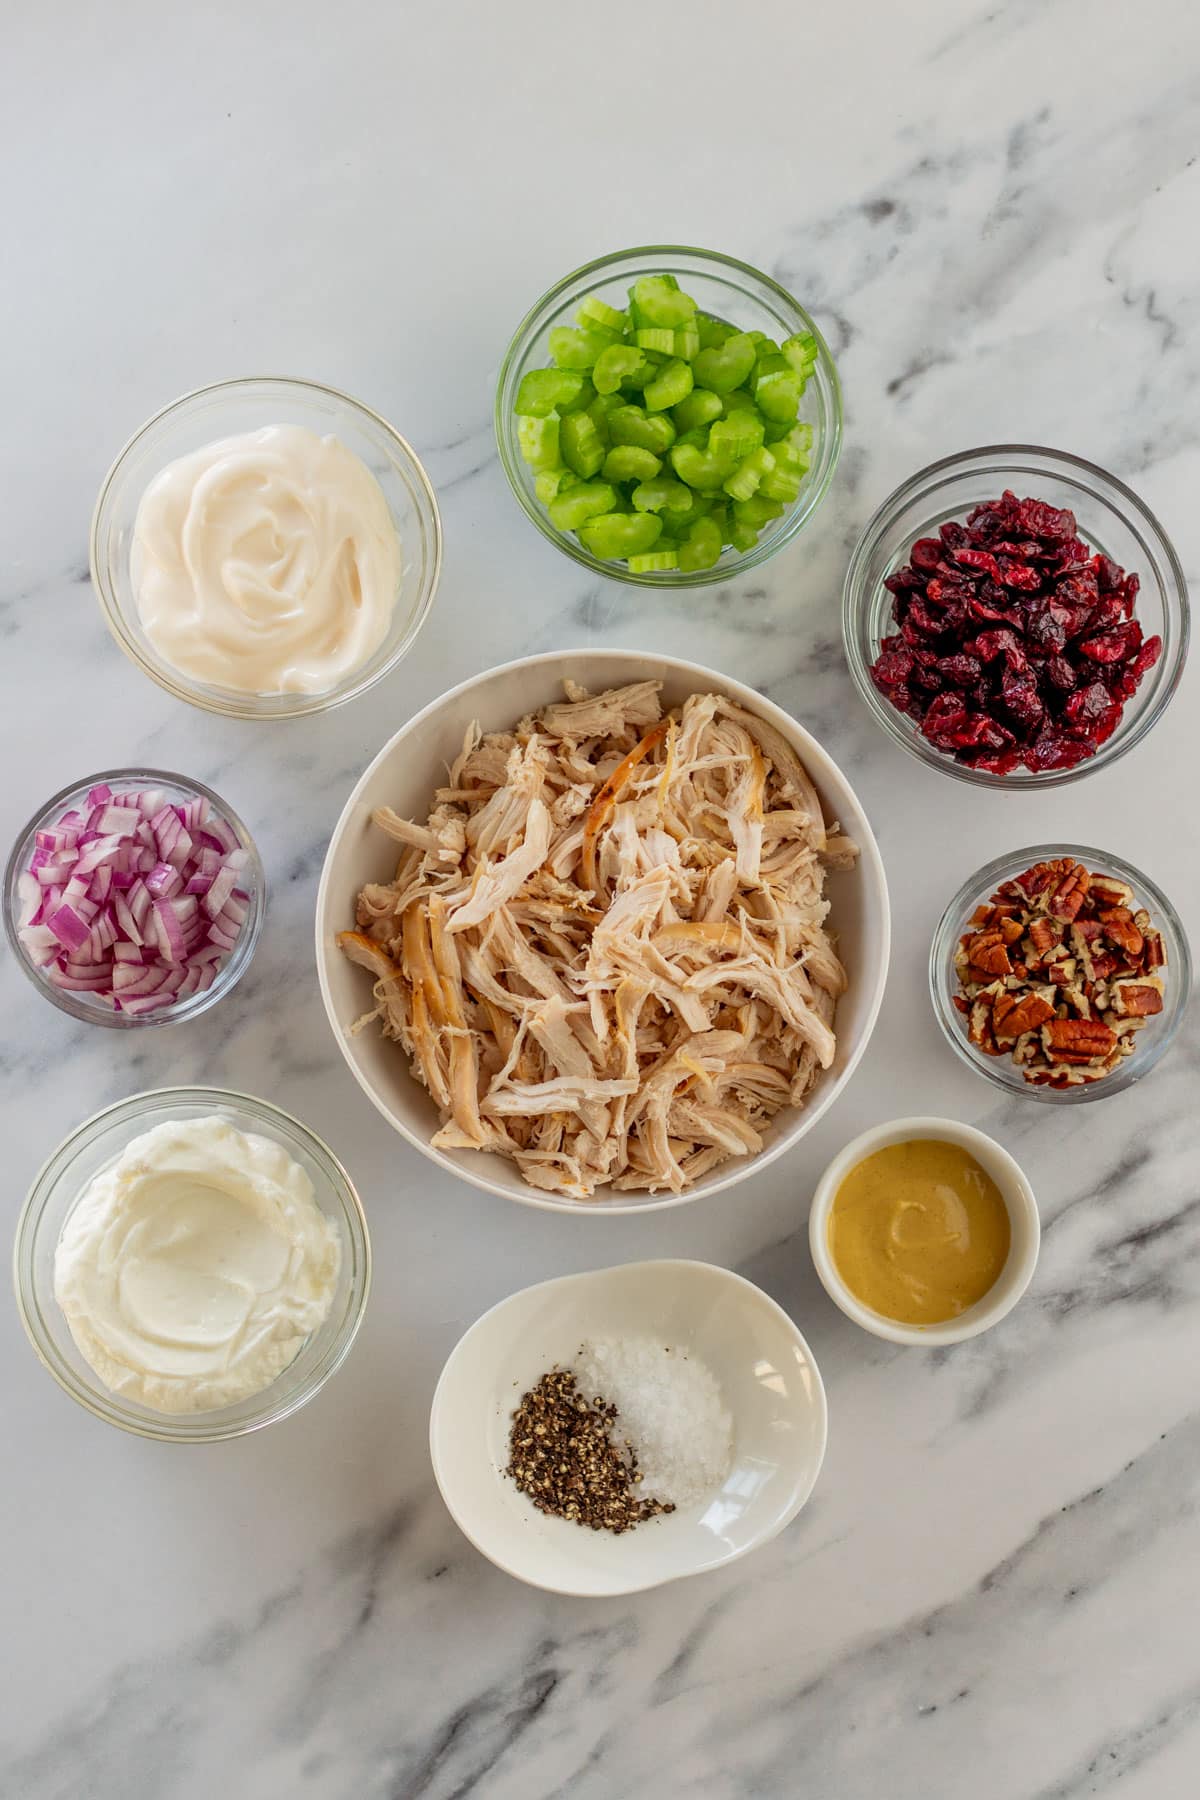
1015,616
1060,972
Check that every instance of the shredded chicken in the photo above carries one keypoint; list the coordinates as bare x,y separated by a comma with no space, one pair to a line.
605,953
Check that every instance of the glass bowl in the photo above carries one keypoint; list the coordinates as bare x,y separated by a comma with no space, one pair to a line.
96,1144
223,410
178,788
1111,519
730,290
1153,1040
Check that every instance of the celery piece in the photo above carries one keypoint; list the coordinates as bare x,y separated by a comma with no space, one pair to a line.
617,366
702,547
700,408
662,494
616,534
780,484
579,504
777,394
799,441
742,537
656,560
541,390
737,435
739,401
721,519
630,424
774,431
552,482
725,366
765,346
680,523
572,349
712,331
582,445
539,443
687,342
697,436
658,300
597,412
656,337
594,311
801,352
698,468
756,512
628,462
671,385
745,480
582,399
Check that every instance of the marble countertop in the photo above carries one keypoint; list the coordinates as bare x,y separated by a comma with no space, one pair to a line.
991,211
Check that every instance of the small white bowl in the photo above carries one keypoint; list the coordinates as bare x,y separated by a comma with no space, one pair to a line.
768,1380
404,776
1013,1279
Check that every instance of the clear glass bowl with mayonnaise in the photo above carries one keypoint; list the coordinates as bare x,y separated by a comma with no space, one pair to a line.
181,1262
265,548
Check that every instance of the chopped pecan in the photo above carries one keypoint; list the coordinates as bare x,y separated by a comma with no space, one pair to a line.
1011,930
1070,892
1044,935
1013,1015
1139,998
1120,929
1107,891
1077,1040
1155,956
989,953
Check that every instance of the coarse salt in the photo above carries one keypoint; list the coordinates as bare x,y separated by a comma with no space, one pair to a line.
669,1406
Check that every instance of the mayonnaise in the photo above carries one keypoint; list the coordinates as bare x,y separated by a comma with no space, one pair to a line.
192,1269
266,563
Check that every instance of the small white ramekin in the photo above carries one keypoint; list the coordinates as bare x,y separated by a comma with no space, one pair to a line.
1013,1279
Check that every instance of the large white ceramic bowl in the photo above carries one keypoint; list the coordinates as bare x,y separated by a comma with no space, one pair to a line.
769,1383
404,776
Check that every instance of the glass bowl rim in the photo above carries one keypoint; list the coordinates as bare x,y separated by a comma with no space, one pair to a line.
803,508
975,890
230,972
356,1241
244,706
855,601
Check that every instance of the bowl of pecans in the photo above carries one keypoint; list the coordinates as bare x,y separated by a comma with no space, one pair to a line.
1060,972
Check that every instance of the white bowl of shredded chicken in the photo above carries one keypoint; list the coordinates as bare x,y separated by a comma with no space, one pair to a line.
600,929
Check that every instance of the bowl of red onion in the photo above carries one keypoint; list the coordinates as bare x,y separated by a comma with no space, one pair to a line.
134,898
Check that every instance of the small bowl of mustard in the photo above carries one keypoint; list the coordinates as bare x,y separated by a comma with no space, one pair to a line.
924,1231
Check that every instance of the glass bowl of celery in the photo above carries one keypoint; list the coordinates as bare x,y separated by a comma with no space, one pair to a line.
668,416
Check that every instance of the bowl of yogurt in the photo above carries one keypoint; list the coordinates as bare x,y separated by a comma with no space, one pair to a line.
192,1264
266,547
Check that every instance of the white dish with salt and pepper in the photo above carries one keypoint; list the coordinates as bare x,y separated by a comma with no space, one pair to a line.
768,1381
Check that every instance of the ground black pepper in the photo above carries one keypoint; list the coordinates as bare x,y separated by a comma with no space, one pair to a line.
562,1454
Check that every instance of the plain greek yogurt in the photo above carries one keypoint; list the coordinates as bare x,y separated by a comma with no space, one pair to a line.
266,563
192,1270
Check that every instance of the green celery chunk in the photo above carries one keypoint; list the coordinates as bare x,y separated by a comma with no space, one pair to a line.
628,462
756,512
712,331
737,435
721,519
658,300
656,337
594,311
597,412
687,342
616,534
662,494
671,385
777,394
797,444
630,424
582,399
745,480
552,482
698,468
541,390
618,366
739,401
697,436
656,560
725,366
801,352
572,349
586,500
780,484
766,346
582,445
680,523
742,537
539,443
702,546
700,408
774,431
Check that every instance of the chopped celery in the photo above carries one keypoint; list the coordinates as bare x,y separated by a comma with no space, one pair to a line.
671,385
541,390
697,436
742,537
699,408
712,331
702,547
621,534
801,352
780,484
628,462
777,394
662,494
552,482
572,349
586,500
616,366
656,337
597,412
582,399
539,442
737,435
756,512
657,300
698,468
582,445
594,311
649,431
725,366
687,342
652,563
747,477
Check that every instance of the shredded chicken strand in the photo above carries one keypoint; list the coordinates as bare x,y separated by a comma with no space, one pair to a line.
606,953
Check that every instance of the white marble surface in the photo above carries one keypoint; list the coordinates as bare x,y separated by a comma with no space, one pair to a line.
992,212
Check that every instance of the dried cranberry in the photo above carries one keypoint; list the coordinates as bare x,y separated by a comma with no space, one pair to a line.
981,733
1106,646
893,666
1051,750
1020,575
1051,523
1088,704
926,553
1077,589
996,762
1109,577
1129,591
1020,695
923,620
904,581
946,713
946,593
978,559
1060,672
952,534
990,644
960,670
1047,631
